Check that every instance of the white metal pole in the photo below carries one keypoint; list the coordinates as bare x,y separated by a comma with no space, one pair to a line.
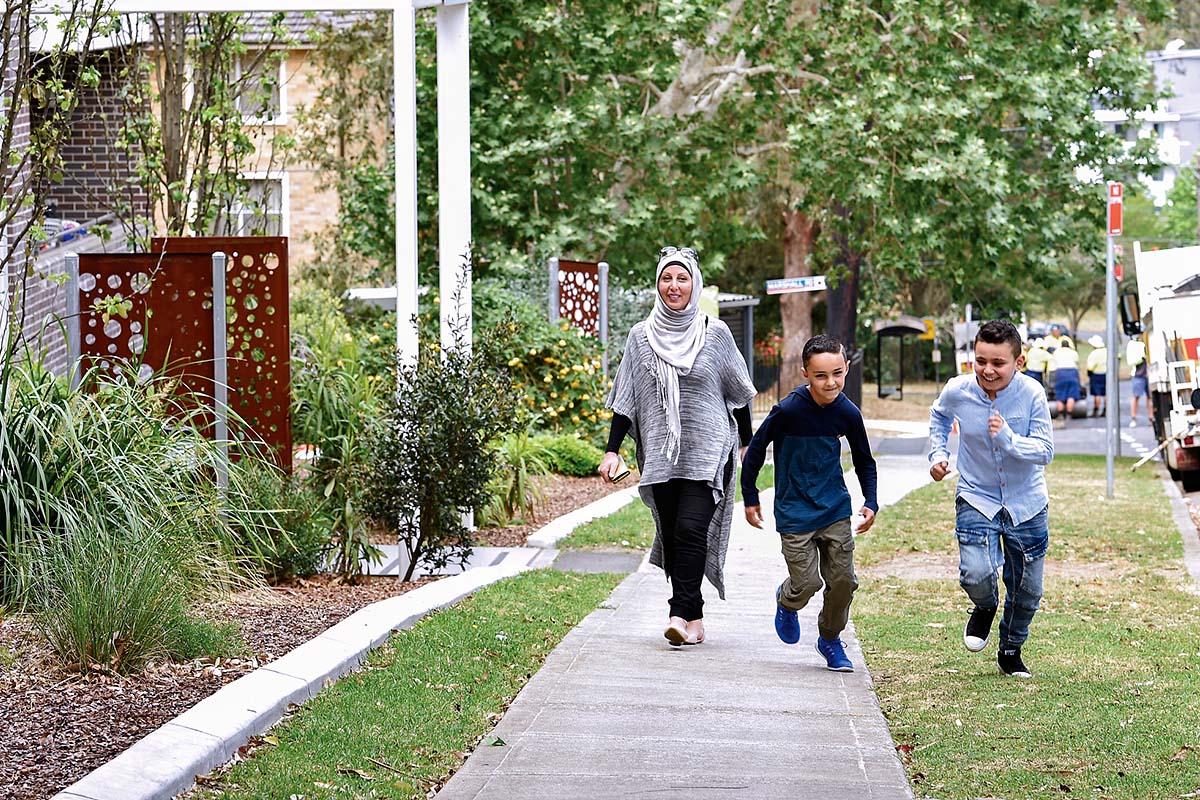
454,170
404,55
1110,337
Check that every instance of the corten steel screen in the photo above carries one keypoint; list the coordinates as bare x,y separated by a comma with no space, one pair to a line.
579,295
175,285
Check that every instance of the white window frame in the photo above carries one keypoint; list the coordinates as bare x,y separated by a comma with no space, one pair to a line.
281,115
282,178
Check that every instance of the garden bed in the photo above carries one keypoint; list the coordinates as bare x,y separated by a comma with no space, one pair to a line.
59,725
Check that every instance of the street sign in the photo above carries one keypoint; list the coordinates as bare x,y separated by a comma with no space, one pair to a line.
1116,204
807,283
1117,270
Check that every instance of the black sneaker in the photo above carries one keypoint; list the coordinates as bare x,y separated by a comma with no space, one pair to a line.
979,628
1010,663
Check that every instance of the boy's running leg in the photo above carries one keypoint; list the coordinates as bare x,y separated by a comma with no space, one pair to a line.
836,546
802,582
979,557
1025,548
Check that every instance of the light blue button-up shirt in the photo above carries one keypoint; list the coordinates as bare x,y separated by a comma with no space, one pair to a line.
1001,471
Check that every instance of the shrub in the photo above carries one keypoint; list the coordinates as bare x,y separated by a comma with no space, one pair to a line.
516,490
112,597
431,459
291,515
111,515
334,397
556,367
570,455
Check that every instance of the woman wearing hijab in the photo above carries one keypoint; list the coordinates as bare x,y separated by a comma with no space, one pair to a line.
682,393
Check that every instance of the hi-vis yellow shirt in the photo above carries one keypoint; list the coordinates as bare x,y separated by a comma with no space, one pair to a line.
1038,359
1098,361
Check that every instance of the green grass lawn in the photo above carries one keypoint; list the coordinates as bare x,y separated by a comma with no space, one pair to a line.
632,527
422,700
1113,710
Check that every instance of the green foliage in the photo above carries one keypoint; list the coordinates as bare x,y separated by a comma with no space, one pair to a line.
445,681
516,489
353,64
110,598
112,523
292,515
557,369
430,454
334,399
194,103
570,455
978,188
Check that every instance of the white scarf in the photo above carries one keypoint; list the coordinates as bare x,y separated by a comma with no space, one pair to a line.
676,338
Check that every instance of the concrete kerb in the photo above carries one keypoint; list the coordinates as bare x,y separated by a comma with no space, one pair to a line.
562,526
166,761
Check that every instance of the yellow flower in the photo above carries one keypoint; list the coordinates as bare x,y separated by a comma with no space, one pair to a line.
574,384
512,362
349,338
341,362
532,352
562,342
586,397
554,395
437,301
571,404
547,379
575,419
374,339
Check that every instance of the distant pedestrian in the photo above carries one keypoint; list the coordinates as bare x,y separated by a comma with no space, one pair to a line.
1066,379
1135,357
678,379
1097,367
1037,361
1001,504
812,505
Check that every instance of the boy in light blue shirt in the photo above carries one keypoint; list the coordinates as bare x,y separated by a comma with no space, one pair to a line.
1001,503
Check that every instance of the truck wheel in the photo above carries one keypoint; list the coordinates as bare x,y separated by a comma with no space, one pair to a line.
1080,412
1191,480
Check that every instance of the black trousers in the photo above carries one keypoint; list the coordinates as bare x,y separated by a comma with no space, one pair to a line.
685,509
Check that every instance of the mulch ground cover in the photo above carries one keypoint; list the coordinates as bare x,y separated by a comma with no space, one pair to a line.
58,725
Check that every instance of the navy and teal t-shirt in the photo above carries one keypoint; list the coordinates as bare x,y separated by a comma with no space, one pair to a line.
810,492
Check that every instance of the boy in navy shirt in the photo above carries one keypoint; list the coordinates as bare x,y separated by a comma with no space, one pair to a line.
812,505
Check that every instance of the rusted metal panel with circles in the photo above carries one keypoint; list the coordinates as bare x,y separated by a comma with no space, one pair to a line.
259,346
168,324
174,284
579,295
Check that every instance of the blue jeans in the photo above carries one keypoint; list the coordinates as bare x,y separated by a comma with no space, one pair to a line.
984,545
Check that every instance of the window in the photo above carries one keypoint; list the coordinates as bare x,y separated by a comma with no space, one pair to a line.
259,213
260,78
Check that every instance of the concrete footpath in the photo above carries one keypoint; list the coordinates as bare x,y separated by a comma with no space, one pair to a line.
617,712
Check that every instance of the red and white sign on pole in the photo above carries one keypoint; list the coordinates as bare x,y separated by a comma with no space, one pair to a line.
1116,204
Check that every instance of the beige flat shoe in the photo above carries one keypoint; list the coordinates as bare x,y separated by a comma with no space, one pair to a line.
695,630
676,632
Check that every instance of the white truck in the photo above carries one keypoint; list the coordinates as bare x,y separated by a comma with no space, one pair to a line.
1168,303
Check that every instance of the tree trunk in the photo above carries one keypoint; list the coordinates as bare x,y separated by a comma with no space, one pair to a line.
842,314
799,232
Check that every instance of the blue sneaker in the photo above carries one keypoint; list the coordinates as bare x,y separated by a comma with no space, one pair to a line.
787,623
834,655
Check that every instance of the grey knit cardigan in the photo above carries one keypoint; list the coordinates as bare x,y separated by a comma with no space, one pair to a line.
717,384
